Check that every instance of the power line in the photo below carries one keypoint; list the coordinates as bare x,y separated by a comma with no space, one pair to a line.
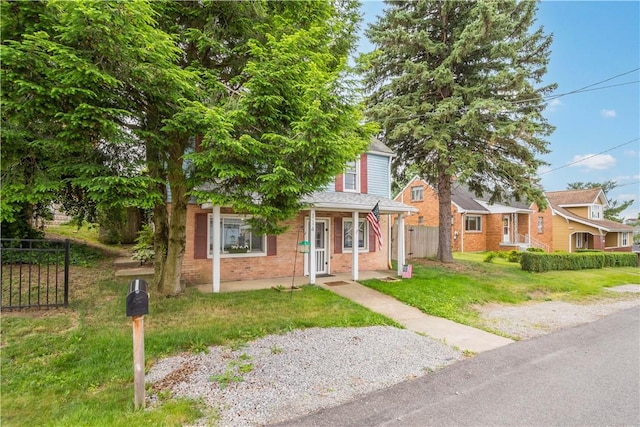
600,82
548,98
626,185
589,156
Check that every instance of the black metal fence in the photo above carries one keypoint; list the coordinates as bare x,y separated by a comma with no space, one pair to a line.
34,273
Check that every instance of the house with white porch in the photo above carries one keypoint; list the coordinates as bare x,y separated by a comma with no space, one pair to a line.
221,246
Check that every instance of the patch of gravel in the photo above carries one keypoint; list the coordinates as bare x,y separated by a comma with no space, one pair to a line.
539,318
279,377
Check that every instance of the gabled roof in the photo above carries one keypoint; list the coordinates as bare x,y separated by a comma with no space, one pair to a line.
588,196
558,200
464,200
467,201
378,147
411,181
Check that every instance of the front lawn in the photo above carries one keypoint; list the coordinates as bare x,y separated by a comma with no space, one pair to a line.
452,290
74,366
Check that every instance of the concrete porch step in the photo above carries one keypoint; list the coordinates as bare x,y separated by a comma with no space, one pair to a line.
135,272
126,262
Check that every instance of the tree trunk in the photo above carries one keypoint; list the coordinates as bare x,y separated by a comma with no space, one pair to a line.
171,274
170,282
444,217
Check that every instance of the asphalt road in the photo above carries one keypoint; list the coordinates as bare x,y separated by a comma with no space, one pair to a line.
584,376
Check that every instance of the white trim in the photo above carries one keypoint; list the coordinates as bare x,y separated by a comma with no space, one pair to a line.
355,219
212,238
366,242
327,244
215,258
357,178
401,259
411,181
479,223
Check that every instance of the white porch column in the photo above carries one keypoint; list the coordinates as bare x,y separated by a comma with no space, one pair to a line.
355,246
215,258
312,246
401,259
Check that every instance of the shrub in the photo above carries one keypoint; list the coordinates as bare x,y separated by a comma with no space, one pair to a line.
535,249
539,262
514,256
490,256
143,250
620,259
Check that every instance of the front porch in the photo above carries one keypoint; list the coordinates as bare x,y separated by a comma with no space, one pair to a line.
268,283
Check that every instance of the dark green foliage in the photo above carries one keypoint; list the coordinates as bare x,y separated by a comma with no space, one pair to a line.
458,88
79,254
535,250
540,262
107,103
621,259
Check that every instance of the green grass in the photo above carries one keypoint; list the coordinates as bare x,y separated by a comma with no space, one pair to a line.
453,291
75,366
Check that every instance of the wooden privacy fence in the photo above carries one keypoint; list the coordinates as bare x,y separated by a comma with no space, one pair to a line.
420,241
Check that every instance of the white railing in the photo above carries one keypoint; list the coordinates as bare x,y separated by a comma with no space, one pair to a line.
533,243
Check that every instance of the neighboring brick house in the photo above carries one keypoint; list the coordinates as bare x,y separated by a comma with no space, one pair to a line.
476,225
575,220
213,231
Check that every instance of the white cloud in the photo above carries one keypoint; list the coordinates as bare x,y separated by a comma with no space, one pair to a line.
553,105
608,114
594,162
630,153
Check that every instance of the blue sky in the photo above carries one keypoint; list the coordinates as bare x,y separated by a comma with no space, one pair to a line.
595,130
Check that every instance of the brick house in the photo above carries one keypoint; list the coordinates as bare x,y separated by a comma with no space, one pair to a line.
575,220
476,225
215,233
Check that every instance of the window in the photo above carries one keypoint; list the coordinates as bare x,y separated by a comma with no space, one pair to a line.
417,193
237,237
347,234
624,239
420,220
540,225
473,223
351,177
596,212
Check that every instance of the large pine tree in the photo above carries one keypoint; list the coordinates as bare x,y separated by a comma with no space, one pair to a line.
457,87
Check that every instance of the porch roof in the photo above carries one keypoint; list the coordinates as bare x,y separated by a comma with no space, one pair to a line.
331,201
601,224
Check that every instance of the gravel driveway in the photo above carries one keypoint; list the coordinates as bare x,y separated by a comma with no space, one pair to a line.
280,377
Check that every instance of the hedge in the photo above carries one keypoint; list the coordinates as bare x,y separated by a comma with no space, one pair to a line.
539,262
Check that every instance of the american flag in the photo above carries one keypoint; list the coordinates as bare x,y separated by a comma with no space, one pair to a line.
374,219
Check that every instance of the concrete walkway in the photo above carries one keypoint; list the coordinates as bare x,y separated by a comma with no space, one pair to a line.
454,334
451,333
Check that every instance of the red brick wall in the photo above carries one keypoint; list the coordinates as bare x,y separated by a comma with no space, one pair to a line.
546,236
242,267
427,207
492,228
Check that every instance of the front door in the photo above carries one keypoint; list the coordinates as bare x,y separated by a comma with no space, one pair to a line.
322,246
506,229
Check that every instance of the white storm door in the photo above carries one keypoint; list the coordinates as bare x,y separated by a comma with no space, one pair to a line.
506,229
322,246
